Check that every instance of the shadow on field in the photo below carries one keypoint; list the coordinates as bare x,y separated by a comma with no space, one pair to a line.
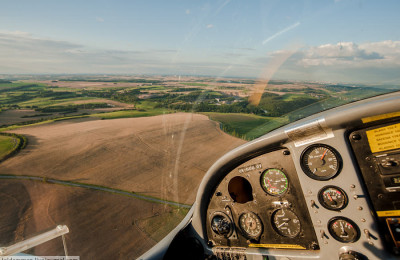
32,145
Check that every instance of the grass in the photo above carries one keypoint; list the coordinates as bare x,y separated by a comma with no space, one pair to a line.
157,227
194,84
40,122
130,113
19,84
156,87
48,101
7,144
146,105
291,97
239,125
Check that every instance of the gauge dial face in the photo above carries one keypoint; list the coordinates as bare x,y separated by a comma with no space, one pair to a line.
274,182
250,224
343,230
332,198
286,223
321,162
221,224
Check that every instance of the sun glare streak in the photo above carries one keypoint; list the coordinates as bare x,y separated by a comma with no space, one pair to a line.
281,32
269,70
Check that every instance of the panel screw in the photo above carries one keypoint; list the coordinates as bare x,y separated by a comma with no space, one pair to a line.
363,220
360,208
356,137
352,186
314,246
380,196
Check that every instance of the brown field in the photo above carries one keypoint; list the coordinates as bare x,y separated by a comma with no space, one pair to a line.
102,225
163,156
13,116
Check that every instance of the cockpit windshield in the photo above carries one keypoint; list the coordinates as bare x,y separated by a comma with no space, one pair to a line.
111,112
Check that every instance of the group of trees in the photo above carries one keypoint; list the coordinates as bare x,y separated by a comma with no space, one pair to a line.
198,101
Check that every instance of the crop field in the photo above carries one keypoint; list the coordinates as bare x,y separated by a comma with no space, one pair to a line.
149,96
162,156
99,222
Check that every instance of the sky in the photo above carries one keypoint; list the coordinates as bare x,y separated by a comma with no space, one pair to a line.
350,41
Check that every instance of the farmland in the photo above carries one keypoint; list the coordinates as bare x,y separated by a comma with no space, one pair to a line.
109,97
110,155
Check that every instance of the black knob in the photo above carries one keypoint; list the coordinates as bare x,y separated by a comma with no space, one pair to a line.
391,164
350,255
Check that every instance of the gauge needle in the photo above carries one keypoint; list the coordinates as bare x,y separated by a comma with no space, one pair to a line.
323,155
282,224
269,183
330,198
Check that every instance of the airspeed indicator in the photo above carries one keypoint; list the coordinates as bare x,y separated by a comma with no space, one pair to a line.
274,182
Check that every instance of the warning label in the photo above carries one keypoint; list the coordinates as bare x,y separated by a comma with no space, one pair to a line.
280,246
384,138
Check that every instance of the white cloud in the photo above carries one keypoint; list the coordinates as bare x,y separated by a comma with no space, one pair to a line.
209,26
100,19
348,54
23,53
187,11
371,62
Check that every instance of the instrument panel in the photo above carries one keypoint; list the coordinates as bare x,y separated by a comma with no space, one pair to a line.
260,203
324,187
308,197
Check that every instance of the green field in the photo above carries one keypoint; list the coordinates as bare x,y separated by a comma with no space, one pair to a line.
239,125
130,113
236,114
7,144
194,84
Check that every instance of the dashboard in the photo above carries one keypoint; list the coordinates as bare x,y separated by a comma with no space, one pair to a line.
325,187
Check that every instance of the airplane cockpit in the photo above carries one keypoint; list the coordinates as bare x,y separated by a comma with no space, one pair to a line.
257,130
324,187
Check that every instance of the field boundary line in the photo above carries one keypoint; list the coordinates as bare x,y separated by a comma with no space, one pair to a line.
96,187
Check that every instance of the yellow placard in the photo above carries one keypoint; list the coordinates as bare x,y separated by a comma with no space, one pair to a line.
380,117
384,138
277,246
388,213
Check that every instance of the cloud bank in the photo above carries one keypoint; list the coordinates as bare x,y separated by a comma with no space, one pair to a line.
371,62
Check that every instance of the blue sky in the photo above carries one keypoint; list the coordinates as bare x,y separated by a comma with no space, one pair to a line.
338,41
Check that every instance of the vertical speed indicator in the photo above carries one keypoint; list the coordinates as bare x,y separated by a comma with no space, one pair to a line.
321,162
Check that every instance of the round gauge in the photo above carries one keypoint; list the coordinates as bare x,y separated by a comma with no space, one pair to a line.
343,230
286,223
332,198
321,162
250,224
274,182
221,224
